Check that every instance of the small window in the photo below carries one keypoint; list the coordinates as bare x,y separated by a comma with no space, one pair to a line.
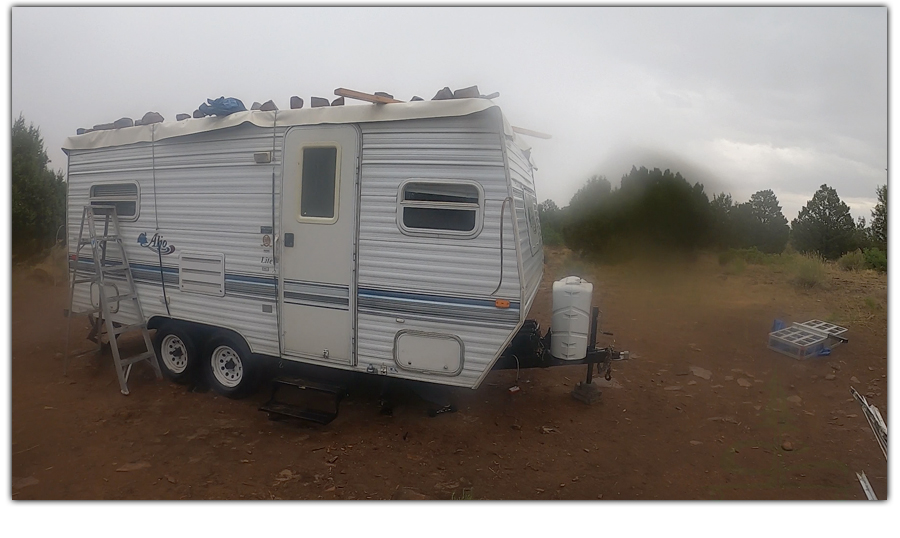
534,225
440,207
125,196
318,184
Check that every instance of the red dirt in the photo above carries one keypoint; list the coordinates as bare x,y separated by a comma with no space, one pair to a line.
711,439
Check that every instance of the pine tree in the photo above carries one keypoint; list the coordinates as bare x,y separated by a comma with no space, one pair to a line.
879,219
824,225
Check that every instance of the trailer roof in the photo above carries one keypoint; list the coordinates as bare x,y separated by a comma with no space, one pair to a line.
306,116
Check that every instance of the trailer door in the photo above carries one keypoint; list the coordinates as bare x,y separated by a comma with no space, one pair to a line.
318,241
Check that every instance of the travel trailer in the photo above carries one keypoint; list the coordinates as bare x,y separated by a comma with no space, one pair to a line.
396,239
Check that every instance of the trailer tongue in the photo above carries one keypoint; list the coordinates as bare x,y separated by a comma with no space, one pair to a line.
572,342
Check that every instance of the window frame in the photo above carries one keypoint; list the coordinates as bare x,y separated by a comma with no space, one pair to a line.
532,221
337,184
111,200
429,232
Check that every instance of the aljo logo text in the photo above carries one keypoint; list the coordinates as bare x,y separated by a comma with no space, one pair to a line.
156,243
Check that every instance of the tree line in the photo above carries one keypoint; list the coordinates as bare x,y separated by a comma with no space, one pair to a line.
38,193
650,209
654,209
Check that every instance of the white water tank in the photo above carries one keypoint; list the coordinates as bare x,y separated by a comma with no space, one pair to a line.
571,323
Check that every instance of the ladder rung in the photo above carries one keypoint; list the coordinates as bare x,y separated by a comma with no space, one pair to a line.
137,358
107,238
117,298
84,280
125,328
112,270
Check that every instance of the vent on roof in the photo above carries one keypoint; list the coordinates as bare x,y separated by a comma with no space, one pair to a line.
202,272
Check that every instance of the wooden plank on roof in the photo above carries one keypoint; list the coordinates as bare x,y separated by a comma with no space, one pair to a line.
529,132
367,97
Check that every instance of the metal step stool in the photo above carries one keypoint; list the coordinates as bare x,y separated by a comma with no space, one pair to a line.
303,389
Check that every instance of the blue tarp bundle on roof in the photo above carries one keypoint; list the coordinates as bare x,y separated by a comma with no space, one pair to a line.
222,106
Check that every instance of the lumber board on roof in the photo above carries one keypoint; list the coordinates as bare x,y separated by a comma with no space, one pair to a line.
529,132
368,97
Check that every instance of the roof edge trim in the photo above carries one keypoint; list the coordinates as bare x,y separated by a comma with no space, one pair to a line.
284,118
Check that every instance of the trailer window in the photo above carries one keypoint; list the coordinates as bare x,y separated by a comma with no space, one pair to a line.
534,225
318,183
124,196
440,207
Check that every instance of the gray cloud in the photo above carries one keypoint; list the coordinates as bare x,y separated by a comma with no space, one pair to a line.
739,99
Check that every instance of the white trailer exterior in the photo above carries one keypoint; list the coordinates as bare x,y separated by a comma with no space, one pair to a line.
399,239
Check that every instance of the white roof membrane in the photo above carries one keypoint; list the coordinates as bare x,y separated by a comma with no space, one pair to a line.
305,116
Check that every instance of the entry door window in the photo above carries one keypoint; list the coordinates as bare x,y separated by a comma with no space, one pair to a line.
319,184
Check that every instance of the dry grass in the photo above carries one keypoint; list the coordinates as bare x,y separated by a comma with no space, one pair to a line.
53,267
809,271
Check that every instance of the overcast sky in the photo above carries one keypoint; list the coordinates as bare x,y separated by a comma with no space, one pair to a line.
739,99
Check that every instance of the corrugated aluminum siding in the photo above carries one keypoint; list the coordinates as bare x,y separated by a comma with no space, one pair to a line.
531,248
212,197
434,270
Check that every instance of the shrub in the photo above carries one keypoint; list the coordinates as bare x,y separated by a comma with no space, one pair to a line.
875,259
871,304
551,237
727,256
754,256
574,265
852,261
750,255
735,267
810,271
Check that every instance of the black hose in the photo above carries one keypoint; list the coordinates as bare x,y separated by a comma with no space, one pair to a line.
162,277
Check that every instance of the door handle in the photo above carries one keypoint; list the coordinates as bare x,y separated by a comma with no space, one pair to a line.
289,239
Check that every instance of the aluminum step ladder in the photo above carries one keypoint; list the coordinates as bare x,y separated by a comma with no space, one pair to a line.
108,274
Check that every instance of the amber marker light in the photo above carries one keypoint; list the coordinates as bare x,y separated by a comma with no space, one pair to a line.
501,303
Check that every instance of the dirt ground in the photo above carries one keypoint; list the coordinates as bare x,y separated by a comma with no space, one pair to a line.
659,432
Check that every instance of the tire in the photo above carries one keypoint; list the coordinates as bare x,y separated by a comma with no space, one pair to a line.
176,353
230,367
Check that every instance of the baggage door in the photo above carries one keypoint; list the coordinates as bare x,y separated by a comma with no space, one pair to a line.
317,244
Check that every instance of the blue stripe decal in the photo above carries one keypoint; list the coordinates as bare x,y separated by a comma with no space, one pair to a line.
318,305
406,296
435,308
343,287
373,301
142,267
269,281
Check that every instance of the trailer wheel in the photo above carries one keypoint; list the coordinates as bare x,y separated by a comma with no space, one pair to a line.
231,370
176,353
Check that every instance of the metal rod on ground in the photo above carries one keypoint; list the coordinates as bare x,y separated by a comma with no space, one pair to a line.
867,487
873,416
